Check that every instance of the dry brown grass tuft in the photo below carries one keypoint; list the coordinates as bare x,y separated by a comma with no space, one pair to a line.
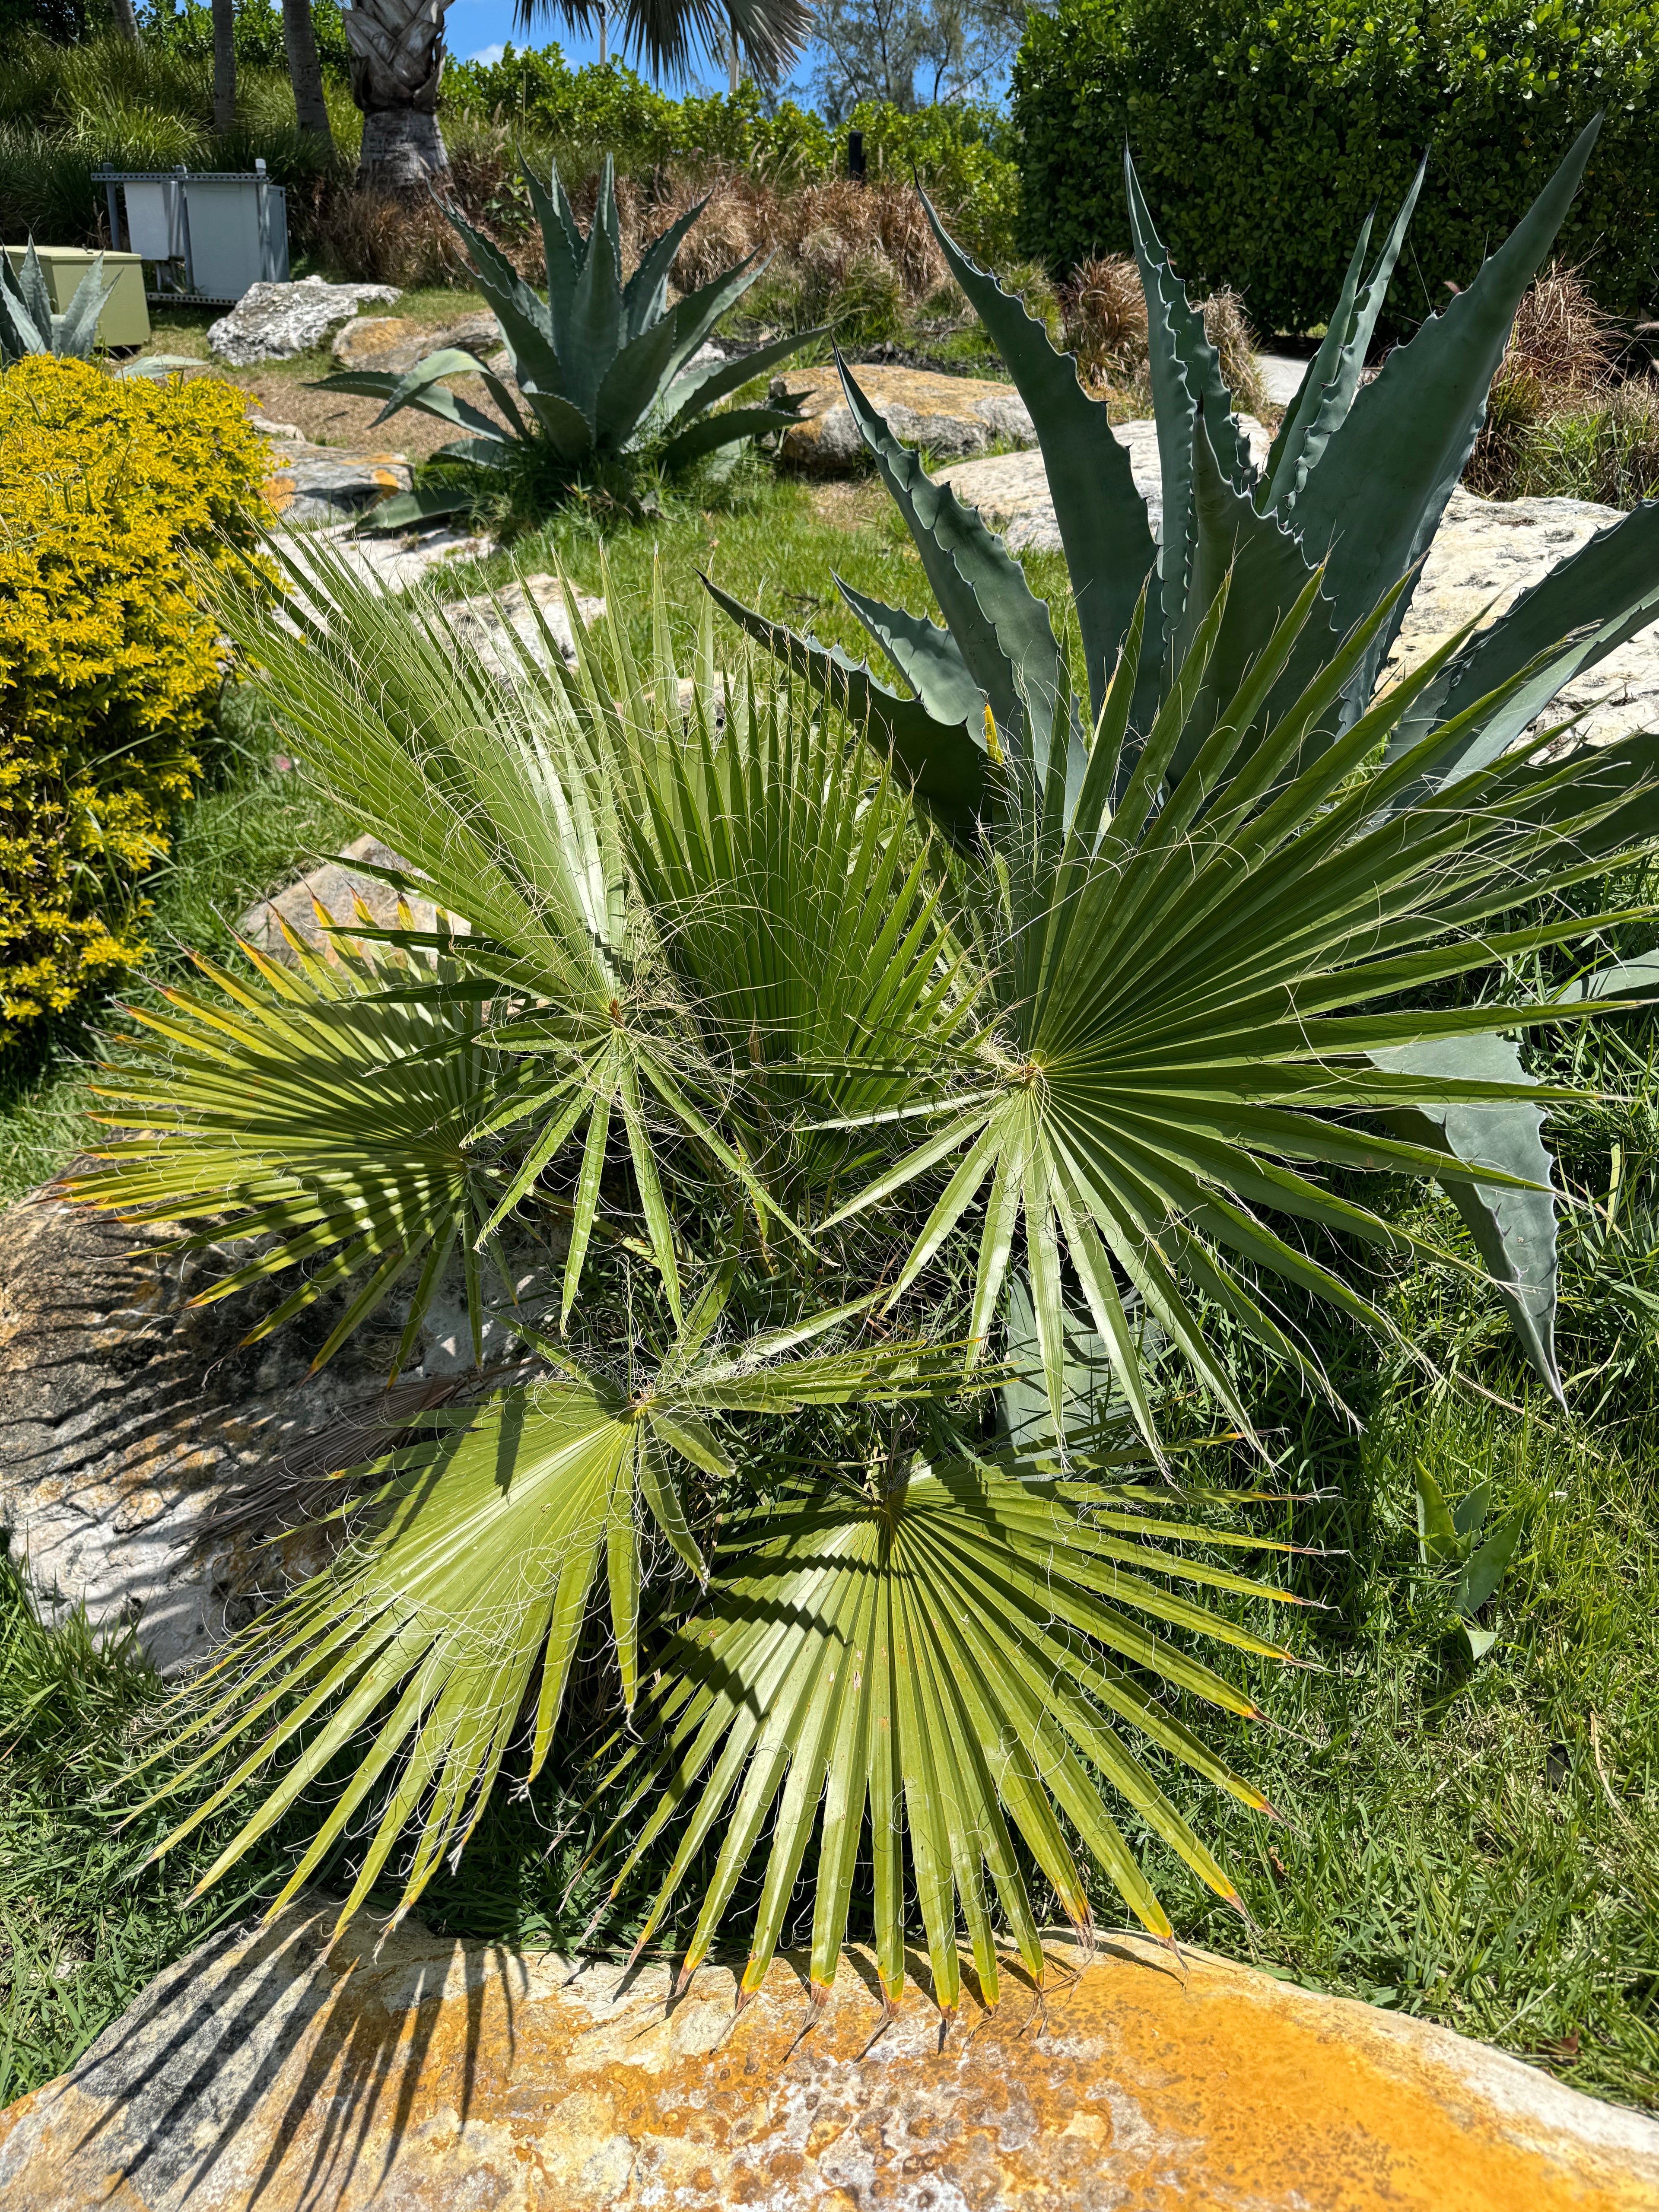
1559,363
383,239
1105,319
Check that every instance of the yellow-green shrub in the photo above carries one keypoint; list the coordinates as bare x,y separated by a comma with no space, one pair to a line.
108,666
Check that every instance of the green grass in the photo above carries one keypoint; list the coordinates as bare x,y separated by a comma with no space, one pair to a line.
1477,1843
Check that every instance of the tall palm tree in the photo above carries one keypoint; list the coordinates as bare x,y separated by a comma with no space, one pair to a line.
305,70
224,66
397,58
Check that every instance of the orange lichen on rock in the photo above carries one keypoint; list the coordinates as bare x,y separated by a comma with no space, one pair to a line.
274,2070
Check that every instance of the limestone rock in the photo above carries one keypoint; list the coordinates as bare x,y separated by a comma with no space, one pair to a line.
1491,551
271,2071
267,428
952,416
1010,490
1485,555
393,562
274,322
338,887
396,344
484,622
312,484
125,1412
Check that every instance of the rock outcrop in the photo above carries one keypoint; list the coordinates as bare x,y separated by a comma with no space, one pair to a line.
313,485
274,322
950,417
1010,490
1486,554
268,2071
396,344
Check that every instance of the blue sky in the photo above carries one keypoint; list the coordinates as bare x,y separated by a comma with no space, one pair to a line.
477,29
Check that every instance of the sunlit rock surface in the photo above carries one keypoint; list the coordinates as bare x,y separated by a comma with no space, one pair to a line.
948,415
268,2072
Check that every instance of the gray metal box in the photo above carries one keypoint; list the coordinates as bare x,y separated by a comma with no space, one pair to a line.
238,234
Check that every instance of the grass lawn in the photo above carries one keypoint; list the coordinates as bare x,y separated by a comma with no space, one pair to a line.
1475,1842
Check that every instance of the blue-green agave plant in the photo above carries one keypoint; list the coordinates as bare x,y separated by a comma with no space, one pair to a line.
28,324
1333,530
600,368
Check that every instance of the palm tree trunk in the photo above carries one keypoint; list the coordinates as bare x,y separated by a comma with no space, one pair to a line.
396,61
126,22
224,66
305,70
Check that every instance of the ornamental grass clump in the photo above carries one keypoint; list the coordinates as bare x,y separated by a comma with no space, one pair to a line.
863,1131
109,667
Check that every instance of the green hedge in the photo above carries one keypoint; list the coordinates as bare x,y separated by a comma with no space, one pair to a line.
1263,133
964,154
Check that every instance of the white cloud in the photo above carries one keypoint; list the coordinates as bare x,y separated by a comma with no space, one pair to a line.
488,55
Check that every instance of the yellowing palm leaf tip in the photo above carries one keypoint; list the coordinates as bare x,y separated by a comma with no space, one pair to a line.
875,1131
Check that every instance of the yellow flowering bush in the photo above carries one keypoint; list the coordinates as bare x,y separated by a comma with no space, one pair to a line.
108,666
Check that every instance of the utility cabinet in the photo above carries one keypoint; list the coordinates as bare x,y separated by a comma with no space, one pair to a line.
124,319
207,234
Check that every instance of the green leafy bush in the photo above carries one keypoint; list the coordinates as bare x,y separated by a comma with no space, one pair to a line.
1263,136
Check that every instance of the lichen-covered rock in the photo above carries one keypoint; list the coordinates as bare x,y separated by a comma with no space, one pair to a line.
268,2071
397,343
950,416
274,322
312,485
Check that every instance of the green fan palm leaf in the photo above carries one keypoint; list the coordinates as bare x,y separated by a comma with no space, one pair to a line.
462,1586
940,1661
313,1111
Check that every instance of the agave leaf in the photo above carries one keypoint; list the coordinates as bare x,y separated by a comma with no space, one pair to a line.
75,331
696,314
694,389
1514,1231
36,295
944,763
563,244
960,1625
526,323
19,331
1003,631
926,656
710,432
1328,389
1102,518
407,507
1637,979
589,343
1186,375
1405,440
645,296
1264,575
630,384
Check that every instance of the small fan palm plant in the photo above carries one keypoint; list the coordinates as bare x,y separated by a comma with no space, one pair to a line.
857,1152
599,372
1340,517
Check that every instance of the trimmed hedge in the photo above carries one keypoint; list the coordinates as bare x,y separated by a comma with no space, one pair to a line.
109,667
1262,134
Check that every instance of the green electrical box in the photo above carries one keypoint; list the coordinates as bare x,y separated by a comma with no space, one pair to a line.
125,319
